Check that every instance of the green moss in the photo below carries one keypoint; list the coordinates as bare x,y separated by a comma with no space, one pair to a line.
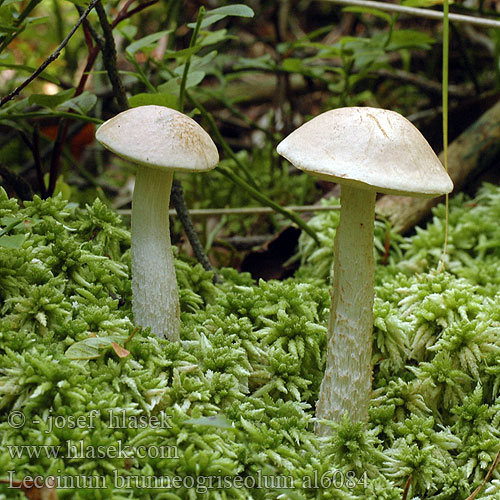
235,399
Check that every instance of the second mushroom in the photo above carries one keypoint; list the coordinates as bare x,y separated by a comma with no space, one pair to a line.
160,141
365,150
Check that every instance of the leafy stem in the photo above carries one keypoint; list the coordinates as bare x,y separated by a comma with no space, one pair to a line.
187,64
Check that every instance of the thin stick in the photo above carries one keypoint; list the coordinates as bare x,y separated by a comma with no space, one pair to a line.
91,58
446,51
55,114
89,33
407,487
109,58
94,51
184,216
485,480
34,146
108,49
124,14
211,212
37,158
427,13
52,56
187,63
62,133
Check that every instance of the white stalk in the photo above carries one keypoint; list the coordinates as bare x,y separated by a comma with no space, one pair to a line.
155,299
346,386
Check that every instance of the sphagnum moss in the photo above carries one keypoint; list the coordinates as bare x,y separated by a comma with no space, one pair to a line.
251,359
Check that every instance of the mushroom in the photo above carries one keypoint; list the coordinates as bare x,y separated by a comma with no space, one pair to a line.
365,150
160,140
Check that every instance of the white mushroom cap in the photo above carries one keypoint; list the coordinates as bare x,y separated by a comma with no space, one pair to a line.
159,137
370,148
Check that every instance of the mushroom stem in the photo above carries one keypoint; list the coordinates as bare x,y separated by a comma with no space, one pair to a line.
155,299
346,385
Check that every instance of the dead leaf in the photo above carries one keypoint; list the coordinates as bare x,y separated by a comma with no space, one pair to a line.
121,352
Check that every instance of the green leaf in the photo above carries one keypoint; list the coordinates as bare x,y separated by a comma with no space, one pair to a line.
11,223
421,3
172,86
409,39
30,69
261,62
12,241
83,350
90,348
238,9
184,53
326,51
213,37
8,2
365,58
366,51
194,78
82,104
128,31
368,10
33,21
80,3
198,63
5,28
60,188
214,421
161,99
148,42
51,101
6,221
220,13
292,64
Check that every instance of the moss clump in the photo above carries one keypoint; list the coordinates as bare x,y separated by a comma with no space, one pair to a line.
229,412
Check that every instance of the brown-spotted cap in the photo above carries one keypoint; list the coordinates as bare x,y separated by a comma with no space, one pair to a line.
159,137
370,148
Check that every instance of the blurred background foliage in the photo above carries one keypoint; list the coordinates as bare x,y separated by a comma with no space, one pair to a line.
249,73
